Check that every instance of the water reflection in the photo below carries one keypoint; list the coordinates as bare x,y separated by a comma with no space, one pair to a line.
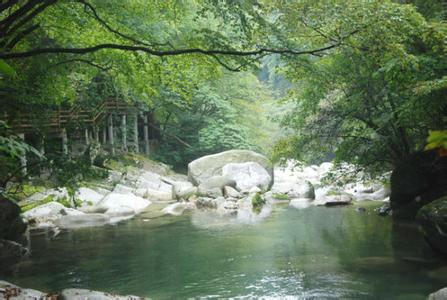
313,252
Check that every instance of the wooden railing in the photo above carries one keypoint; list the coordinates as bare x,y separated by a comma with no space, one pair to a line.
57,119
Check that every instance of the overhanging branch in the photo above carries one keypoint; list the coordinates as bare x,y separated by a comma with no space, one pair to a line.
161,53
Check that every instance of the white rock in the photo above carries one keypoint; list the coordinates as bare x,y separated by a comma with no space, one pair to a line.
181,188
81,294
438,295
24,294
254,190
122,189
211,192
247,175
231,192
112,200
303,190
88,197
158,195
177,209
57,194
47,213
211,165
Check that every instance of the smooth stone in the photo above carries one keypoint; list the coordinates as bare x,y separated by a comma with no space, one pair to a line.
49,212
209,192
158,195
88,196
122,189
248,175
181,189
228,191
136,203
211,165
82,294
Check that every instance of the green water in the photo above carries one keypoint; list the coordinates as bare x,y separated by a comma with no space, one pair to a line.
315,253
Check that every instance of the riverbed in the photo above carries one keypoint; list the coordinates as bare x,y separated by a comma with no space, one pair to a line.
316,252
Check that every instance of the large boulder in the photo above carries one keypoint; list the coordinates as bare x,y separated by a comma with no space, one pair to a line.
433,221
11,224
248,175
417,181
205,167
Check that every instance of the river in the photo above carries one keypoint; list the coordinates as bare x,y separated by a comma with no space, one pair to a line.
316,253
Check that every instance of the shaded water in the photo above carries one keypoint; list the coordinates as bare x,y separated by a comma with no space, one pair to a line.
316,253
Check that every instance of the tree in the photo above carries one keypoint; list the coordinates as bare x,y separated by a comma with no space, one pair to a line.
373,100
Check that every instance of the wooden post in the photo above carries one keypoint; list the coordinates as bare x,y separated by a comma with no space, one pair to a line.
64,141
104,136
111,140
22,158
146,135
96,133
124,132
135,133
87,138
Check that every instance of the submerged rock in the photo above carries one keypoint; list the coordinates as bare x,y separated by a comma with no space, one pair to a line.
177,209
211,165
433,221
84,220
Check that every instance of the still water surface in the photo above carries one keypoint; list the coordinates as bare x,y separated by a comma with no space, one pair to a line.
315,253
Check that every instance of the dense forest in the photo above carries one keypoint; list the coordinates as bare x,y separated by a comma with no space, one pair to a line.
89,87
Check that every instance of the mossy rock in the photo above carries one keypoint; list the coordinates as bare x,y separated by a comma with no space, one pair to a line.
433,223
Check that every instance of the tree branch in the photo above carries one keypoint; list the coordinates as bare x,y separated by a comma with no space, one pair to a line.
85,61
161,53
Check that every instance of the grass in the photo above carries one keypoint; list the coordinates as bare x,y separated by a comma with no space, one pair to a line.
281,196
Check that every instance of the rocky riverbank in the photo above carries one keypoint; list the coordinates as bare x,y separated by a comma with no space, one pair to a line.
232,183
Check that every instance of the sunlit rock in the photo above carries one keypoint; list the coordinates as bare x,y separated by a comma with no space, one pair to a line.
247,175
211,165
112,200
87,198
45,215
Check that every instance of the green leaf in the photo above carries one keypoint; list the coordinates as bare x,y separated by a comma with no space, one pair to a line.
6,69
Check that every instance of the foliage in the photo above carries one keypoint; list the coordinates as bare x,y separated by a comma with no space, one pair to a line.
257,202
281,196
372,100
436,139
